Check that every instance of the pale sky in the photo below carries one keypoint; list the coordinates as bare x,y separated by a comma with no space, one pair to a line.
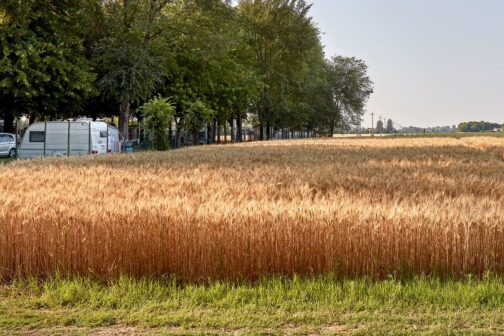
433,62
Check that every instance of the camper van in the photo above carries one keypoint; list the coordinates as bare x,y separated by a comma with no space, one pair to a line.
69,138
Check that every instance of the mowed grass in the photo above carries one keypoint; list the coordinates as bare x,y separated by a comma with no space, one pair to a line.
350,207
317,306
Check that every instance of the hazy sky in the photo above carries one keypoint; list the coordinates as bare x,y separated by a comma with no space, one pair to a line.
433,62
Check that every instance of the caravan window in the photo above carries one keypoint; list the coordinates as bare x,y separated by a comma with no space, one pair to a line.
37,136
103,134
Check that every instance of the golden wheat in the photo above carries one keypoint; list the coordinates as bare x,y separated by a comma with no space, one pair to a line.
351,207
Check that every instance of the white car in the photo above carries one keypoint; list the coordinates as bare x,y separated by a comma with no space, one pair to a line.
8,145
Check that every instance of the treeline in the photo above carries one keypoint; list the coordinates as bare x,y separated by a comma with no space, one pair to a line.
434,129
217,62
471,126
479,126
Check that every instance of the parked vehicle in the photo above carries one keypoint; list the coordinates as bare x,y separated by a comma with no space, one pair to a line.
7,145
69,138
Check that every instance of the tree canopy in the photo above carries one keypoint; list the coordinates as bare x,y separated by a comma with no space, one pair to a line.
220,63
478,126
43,69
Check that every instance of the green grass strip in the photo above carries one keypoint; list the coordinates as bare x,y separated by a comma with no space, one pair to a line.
421,306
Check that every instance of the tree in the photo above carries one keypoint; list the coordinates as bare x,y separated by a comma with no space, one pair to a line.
158,114
379,126
478,126
316,100
390,127
258,59
280,37
43,69
198,116
350,87
209,67
127,58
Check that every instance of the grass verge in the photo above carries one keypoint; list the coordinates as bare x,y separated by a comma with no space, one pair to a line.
320,306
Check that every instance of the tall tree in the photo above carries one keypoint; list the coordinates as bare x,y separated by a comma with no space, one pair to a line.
379,126
208,68
351,88
127,60
43,69
280,36
390,127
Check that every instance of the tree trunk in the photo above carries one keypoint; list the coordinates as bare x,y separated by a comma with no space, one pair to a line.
209,135
331,130
268,131
179,137
233,139
8,121
239,127
218,131
225,132
195,137
176,135
124,114
170,134
214,131
261,132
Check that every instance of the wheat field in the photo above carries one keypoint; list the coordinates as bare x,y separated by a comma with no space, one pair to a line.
347,207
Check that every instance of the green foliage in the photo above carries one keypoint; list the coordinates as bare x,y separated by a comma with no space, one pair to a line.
379,126
210,64
280,38
261,60
43,69
198,115
351,88
390,127
478,126
158,113
126,51
130,73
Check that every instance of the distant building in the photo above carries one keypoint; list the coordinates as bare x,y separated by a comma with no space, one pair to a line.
1,125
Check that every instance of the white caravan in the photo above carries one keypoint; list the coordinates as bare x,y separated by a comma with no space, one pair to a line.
69,138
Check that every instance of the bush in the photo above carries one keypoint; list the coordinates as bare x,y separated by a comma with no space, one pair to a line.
158,113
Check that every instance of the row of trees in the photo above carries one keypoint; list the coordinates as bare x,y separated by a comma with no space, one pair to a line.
434,129
217,61
389,128
478,126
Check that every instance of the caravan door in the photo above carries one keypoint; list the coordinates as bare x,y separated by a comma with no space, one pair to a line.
99,136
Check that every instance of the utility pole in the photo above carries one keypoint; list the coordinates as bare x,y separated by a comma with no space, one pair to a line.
372,123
